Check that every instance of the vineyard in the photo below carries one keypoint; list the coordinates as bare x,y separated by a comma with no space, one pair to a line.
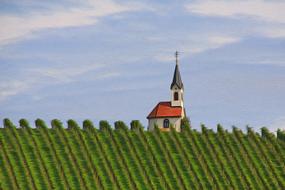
72,157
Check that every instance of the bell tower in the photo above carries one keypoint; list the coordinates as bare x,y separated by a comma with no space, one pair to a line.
176,87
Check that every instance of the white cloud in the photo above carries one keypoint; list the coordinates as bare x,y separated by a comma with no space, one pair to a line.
15,27
213,42
269,16
64,73
13,87
107,75
222,40
46,76
192,46
274,31
271,11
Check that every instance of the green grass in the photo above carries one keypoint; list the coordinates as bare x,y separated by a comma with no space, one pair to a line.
75,158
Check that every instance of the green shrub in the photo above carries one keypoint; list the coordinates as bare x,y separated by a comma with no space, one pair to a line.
71,124
56,124
172,127
265,133
136,125
104,126
220,129
156,128
281,134
88,124
8,123
203,129
185,124
120,125
40,123
24,123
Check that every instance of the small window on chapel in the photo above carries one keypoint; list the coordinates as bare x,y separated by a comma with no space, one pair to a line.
166,123
176,96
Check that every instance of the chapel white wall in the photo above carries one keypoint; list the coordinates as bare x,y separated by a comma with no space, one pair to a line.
175,121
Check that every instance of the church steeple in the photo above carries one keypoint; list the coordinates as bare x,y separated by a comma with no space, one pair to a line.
177,86
170,113
176,76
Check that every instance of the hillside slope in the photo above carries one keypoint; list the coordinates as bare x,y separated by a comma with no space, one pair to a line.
74,158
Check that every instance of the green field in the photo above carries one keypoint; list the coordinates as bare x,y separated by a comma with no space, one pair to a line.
89,158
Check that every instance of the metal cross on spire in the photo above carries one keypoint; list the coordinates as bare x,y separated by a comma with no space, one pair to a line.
176,77
176,57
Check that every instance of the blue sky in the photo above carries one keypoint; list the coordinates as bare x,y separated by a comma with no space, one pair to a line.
114,60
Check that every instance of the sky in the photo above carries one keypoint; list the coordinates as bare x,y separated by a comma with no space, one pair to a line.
114,60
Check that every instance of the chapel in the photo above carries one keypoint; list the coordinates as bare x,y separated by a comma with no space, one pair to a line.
170,113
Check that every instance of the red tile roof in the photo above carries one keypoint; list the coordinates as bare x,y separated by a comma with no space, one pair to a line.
164,109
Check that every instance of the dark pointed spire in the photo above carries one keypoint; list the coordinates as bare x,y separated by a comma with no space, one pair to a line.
176,77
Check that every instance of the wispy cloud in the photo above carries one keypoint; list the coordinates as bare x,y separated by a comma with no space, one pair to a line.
15,27
47,76
271,11
213,42
274,31
268,17
192,46
64,73
14,87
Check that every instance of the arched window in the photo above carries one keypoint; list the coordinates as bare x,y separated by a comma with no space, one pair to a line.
176,96
166,123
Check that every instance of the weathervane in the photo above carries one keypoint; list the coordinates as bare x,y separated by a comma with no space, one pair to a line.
176,57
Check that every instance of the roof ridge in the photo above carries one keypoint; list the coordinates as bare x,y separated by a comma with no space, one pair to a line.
164,109
157,108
